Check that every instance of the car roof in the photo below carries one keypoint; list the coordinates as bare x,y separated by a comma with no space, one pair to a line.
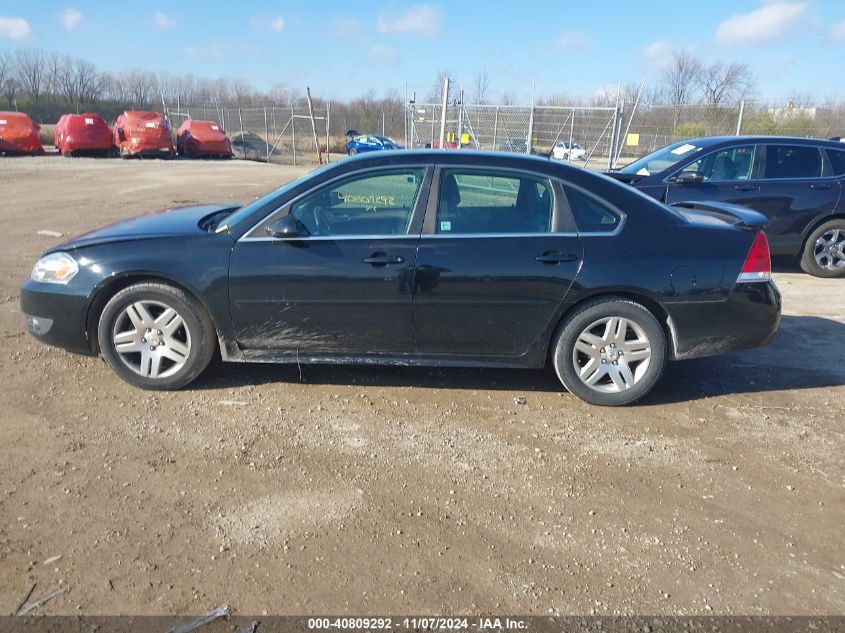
709,141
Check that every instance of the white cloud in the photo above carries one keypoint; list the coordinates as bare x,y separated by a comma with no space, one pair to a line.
838,32
422,19
771,22
14,28
658,53
383,53
575,41
162,21
275,24
70,18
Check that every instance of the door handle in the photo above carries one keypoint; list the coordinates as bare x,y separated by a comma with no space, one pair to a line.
380,259
554,257
746,187
820,185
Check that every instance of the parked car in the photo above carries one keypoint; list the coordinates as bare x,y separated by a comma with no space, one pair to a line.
196,138
516,144
87,133
797,183
19,135
143,133
417,258
370,143
565,150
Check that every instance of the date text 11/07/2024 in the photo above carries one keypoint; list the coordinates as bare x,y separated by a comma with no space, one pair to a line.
426,623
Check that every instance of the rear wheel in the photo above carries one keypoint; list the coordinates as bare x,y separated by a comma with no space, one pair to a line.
156,336
610,352
824,250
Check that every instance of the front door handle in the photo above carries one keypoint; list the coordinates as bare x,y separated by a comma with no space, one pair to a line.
382,259
554,257
746,187
820,185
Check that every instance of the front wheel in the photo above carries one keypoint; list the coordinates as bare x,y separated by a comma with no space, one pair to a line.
156,336
610,352
824,250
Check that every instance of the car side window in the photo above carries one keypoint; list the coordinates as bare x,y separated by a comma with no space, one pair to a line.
793,161
372,204
591,216
733,163
474,202
837,161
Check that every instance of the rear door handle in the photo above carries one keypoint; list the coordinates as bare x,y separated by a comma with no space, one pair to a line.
820,185
554,257
746,187
380,259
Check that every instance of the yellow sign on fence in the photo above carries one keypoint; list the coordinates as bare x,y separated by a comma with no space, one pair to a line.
633,140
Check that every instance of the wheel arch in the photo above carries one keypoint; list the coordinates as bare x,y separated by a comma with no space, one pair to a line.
110,287
816,223
649,303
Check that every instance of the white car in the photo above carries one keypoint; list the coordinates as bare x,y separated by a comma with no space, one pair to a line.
564,150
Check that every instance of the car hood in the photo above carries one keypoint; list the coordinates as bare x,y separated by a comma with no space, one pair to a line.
167,223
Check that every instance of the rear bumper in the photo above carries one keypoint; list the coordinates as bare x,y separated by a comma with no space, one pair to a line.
55,316
748,318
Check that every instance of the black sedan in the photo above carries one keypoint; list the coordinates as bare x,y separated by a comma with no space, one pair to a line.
418,257
797,183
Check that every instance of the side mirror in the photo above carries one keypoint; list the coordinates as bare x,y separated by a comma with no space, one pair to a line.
689,178
287,226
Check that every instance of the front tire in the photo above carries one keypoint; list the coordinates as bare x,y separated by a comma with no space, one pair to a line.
610,352
824,250
156,336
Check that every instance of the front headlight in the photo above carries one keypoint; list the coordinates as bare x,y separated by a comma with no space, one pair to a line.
55,268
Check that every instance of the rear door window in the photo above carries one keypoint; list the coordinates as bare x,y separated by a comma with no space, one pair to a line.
591,215
477,202
837,161
792,161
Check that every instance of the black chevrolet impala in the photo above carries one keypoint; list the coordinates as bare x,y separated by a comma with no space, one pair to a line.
414,257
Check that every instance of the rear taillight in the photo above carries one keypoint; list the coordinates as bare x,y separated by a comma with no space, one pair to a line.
758,264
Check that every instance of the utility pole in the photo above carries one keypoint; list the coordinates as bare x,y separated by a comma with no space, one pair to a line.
443,112
313,126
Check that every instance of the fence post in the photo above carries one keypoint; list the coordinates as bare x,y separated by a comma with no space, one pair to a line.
460,116
293,131
495,128
613,139
243,140
328,124
571,136
530,139
739,119
266,136
443,113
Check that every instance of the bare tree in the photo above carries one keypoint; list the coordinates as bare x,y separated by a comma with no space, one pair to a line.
481,84
31,67
508,98
436,93
7,66
680,81
723,84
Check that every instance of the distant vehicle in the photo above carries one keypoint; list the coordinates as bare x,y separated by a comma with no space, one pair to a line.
517,144
370,143
198,138
143,133
19,135
436,258
87,133
797,183
564,150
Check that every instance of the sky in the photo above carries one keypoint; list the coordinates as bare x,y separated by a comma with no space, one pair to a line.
343,49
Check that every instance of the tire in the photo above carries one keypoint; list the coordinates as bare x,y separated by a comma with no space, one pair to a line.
824,250
183,347
599,321
353,152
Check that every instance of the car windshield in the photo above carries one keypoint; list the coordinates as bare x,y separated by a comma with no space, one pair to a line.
386,140
662,159
226,221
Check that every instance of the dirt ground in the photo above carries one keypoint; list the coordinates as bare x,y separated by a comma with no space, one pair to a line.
362,490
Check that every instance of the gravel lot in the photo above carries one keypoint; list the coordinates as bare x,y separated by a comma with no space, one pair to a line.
370,490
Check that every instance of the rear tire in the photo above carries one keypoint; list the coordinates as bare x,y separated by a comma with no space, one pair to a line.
824,250
610,352
156,336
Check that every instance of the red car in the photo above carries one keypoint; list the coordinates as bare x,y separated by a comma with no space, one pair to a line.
83,133
197,138
19,135
143,133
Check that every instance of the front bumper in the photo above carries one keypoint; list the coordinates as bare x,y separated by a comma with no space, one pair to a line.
748,318
56,316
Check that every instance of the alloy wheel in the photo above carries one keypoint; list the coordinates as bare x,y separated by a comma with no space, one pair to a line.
611,354
829,250
152,339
